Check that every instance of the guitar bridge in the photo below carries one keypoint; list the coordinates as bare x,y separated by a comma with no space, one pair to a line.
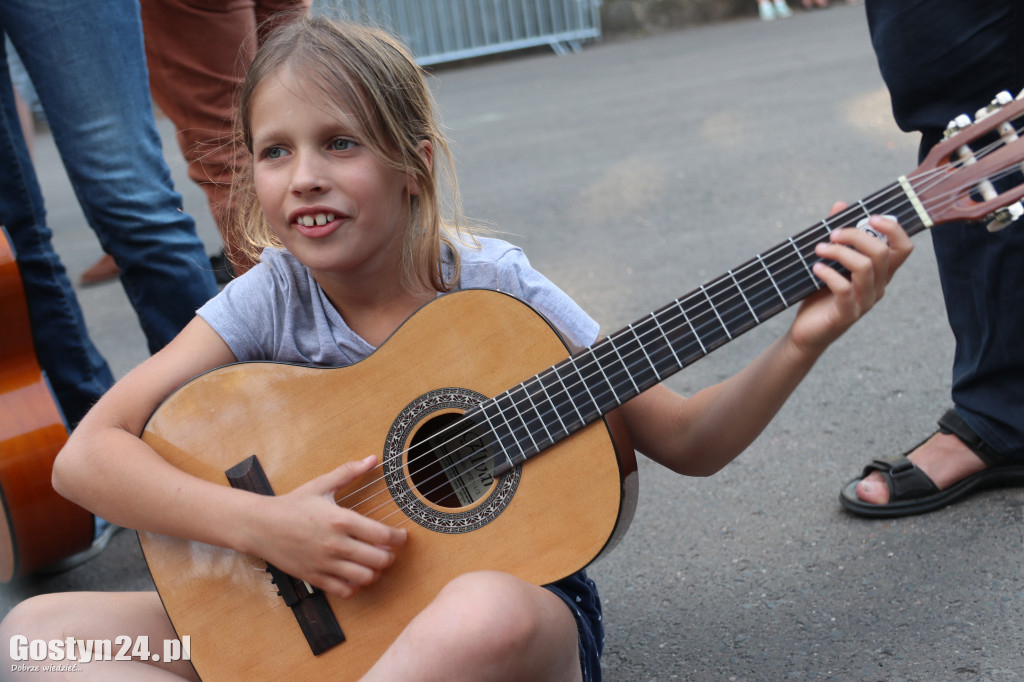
308,604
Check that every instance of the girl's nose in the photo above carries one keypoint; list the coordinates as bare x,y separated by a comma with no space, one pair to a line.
308,174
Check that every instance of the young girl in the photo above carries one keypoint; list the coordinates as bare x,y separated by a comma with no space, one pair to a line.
346,161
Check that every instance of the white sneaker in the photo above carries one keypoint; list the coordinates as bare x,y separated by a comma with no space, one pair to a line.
782,9
767,11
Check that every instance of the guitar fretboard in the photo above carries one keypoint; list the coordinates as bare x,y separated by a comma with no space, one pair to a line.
550,406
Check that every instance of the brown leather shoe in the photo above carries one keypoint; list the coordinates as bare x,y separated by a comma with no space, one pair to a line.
102,270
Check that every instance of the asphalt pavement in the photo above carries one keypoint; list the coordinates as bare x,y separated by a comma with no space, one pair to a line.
631,173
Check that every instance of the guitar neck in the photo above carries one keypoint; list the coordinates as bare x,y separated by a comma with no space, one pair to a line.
550,406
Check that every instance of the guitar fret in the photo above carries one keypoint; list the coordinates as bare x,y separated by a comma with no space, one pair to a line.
644,350
715,310
679,363
565,388
824,224
586,387
863,207
772,280
658,348
497,437
604,375
686,318
745,299
759,291
554,407
624,365
543,423
511,430
817,282
522,420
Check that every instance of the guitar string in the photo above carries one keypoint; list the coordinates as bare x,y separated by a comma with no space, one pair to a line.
519,424
742,306
798,267
725,313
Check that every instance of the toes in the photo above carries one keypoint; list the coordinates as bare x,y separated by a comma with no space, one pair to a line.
873,490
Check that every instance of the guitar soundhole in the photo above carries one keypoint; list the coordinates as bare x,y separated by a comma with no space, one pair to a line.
450,463
438,469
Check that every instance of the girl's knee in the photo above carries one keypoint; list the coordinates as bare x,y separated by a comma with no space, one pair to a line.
87,615
501,615
34,618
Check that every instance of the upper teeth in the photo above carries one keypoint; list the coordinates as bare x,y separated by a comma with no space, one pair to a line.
318,219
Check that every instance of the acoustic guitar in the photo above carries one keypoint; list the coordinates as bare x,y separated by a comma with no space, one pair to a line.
37,526
497,447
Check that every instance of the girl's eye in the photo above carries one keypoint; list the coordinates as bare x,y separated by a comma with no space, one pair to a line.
273,153
341,144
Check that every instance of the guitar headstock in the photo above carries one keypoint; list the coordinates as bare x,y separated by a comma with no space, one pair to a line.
976,172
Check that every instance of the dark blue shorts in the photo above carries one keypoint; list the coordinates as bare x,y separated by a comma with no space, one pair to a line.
580,594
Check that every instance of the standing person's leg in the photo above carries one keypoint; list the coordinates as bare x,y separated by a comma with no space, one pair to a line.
981,441
77,372
938,65
95,94
198,52
982,278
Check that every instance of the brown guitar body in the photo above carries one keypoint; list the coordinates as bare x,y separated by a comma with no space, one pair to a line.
565,506
37,526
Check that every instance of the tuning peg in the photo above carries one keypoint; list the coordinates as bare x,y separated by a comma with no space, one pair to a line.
956,125
997,103
1005,216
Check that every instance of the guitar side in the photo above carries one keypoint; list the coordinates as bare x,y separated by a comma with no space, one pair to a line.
566,506
37,526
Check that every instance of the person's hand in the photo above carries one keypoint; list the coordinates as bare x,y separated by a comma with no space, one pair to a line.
306,534
825,315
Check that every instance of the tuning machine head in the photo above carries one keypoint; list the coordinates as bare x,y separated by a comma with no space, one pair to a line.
956,125
997,103
1004,216
963,120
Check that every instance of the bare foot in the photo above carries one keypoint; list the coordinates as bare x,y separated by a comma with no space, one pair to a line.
943,457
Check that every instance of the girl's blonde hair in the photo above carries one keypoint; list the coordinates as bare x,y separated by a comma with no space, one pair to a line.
373,76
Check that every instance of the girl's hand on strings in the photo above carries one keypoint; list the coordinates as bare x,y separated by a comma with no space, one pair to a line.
306,534
824,316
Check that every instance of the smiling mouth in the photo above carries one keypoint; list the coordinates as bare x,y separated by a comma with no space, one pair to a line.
318,219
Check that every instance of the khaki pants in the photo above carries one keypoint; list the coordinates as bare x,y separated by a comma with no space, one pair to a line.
198,52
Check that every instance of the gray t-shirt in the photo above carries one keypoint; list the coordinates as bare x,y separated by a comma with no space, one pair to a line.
278,312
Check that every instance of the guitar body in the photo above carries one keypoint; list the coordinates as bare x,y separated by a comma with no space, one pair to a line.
541,521
37,526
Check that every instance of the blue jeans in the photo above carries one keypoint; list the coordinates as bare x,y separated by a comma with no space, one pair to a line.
87,62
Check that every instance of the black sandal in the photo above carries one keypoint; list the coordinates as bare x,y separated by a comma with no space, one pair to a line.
911,491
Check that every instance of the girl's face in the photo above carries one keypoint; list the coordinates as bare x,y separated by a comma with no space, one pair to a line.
333,204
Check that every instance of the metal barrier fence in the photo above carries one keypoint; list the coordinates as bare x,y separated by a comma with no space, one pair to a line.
448,30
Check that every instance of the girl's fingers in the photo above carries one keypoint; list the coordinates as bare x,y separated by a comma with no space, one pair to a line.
341,477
